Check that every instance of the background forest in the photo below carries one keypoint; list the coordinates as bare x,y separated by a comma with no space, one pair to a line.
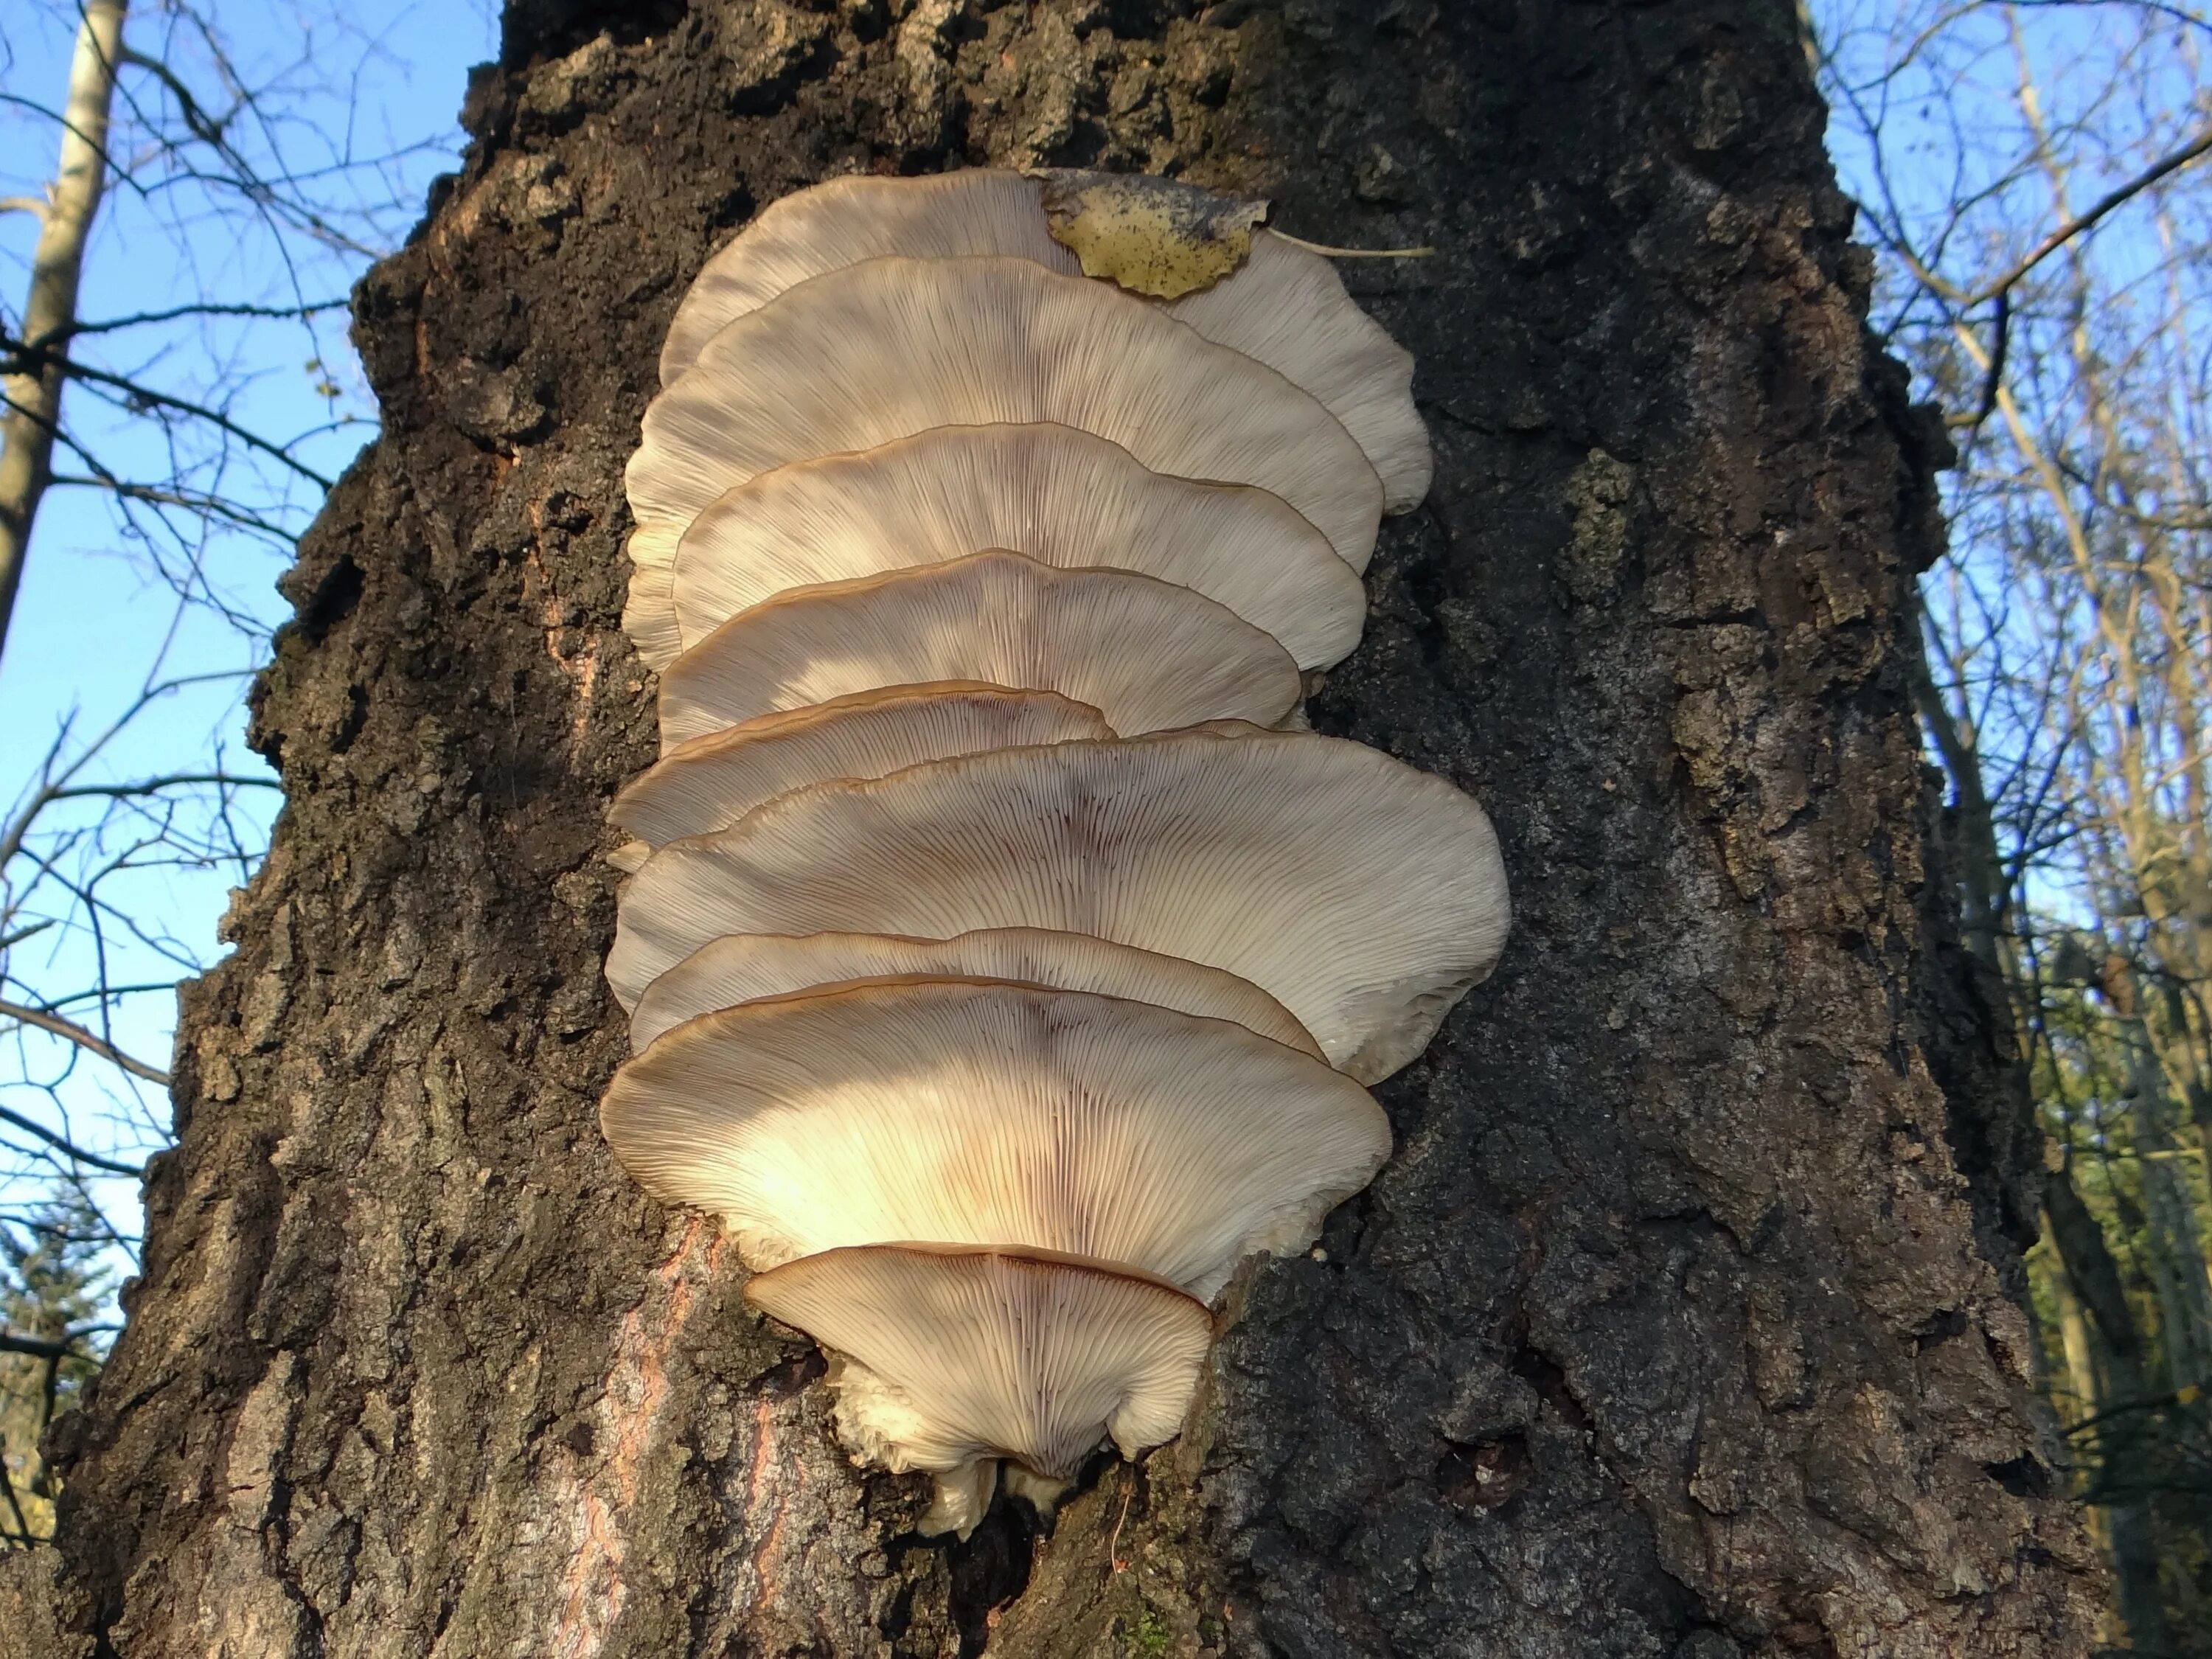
186,195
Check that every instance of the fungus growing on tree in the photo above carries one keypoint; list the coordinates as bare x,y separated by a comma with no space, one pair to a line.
888,347
950,1359
1064,497
1285,307
1146,654
1363,896
1005,960
981,1112
740,968
715,779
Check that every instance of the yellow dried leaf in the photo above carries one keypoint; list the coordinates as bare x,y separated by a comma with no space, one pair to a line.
1153,235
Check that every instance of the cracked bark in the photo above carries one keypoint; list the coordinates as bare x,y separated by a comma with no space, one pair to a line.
1683,1321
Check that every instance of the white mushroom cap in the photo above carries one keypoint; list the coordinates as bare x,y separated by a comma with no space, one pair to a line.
714,780
980,1112
747,967
1365,895
948,1358
1062,496
1145,654
888,348
1285,308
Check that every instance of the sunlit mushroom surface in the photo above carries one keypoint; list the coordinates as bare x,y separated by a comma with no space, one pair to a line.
740,968
1146,654
951,1357
1005,957
1363,896
981,1112
1063,496
883,349
1286,308
718,777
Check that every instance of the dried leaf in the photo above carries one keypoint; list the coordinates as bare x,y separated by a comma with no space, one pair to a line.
1153,235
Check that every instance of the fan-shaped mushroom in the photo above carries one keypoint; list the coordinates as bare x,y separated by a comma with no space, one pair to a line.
1145,654
1062,496
1285,308
888,348
1365,896
747,967
980,1112
711,781
992,1034
952,1359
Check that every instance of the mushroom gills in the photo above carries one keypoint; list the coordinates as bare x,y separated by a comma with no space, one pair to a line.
1285,308
948,1358
1363,896
979,1112
1146,654
712,780
1065,497
1004,953
889,347
742,967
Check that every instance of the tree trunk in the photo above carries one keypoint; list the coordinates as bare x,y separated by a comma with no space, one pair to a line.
1684,1320
33,408
2113,1404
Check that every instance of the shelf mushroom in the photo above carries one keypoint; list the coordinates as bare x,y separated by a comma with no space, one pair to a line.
888,347
1005,960
952,1360
1063,496
1363,894
1285,308
714,779
983,1112
1146,654
740,968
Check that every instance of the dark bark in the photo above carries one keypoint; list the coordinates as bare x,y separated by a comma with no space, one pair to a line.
1678,1325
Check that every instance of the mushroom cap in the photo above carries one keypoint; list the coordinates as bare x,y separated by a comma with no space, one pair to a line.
711,781
1363,894
888,347
1286,306
952,1356
981,1112
747,967
1062,496
1145,654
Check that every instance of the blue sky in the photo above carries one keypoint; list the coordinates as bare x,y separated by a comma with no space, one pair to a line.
359,103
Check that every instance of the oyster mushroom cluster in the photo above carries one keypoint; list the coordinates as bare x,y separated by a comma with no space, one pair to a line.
1004,959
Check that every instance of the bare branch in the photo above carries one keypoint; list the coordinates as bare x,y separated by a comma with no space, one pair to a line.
67,1148
2081,221
55,1025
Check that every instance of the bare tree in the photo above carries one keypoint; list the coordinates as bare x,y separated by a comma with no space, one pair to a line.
33,390
248,189
2034,177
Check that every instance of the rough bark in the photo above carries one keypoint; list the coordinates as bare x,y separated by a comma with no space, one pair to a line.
1682,1322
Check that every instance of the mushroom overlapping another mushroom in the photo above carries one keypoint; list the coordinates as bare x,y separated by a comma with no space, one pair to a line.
1146,654
1005,960
1065,497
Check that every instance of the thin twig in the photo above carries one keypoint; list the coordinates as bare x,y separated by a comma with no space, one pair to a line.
2084,221
67,1148
55,1025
